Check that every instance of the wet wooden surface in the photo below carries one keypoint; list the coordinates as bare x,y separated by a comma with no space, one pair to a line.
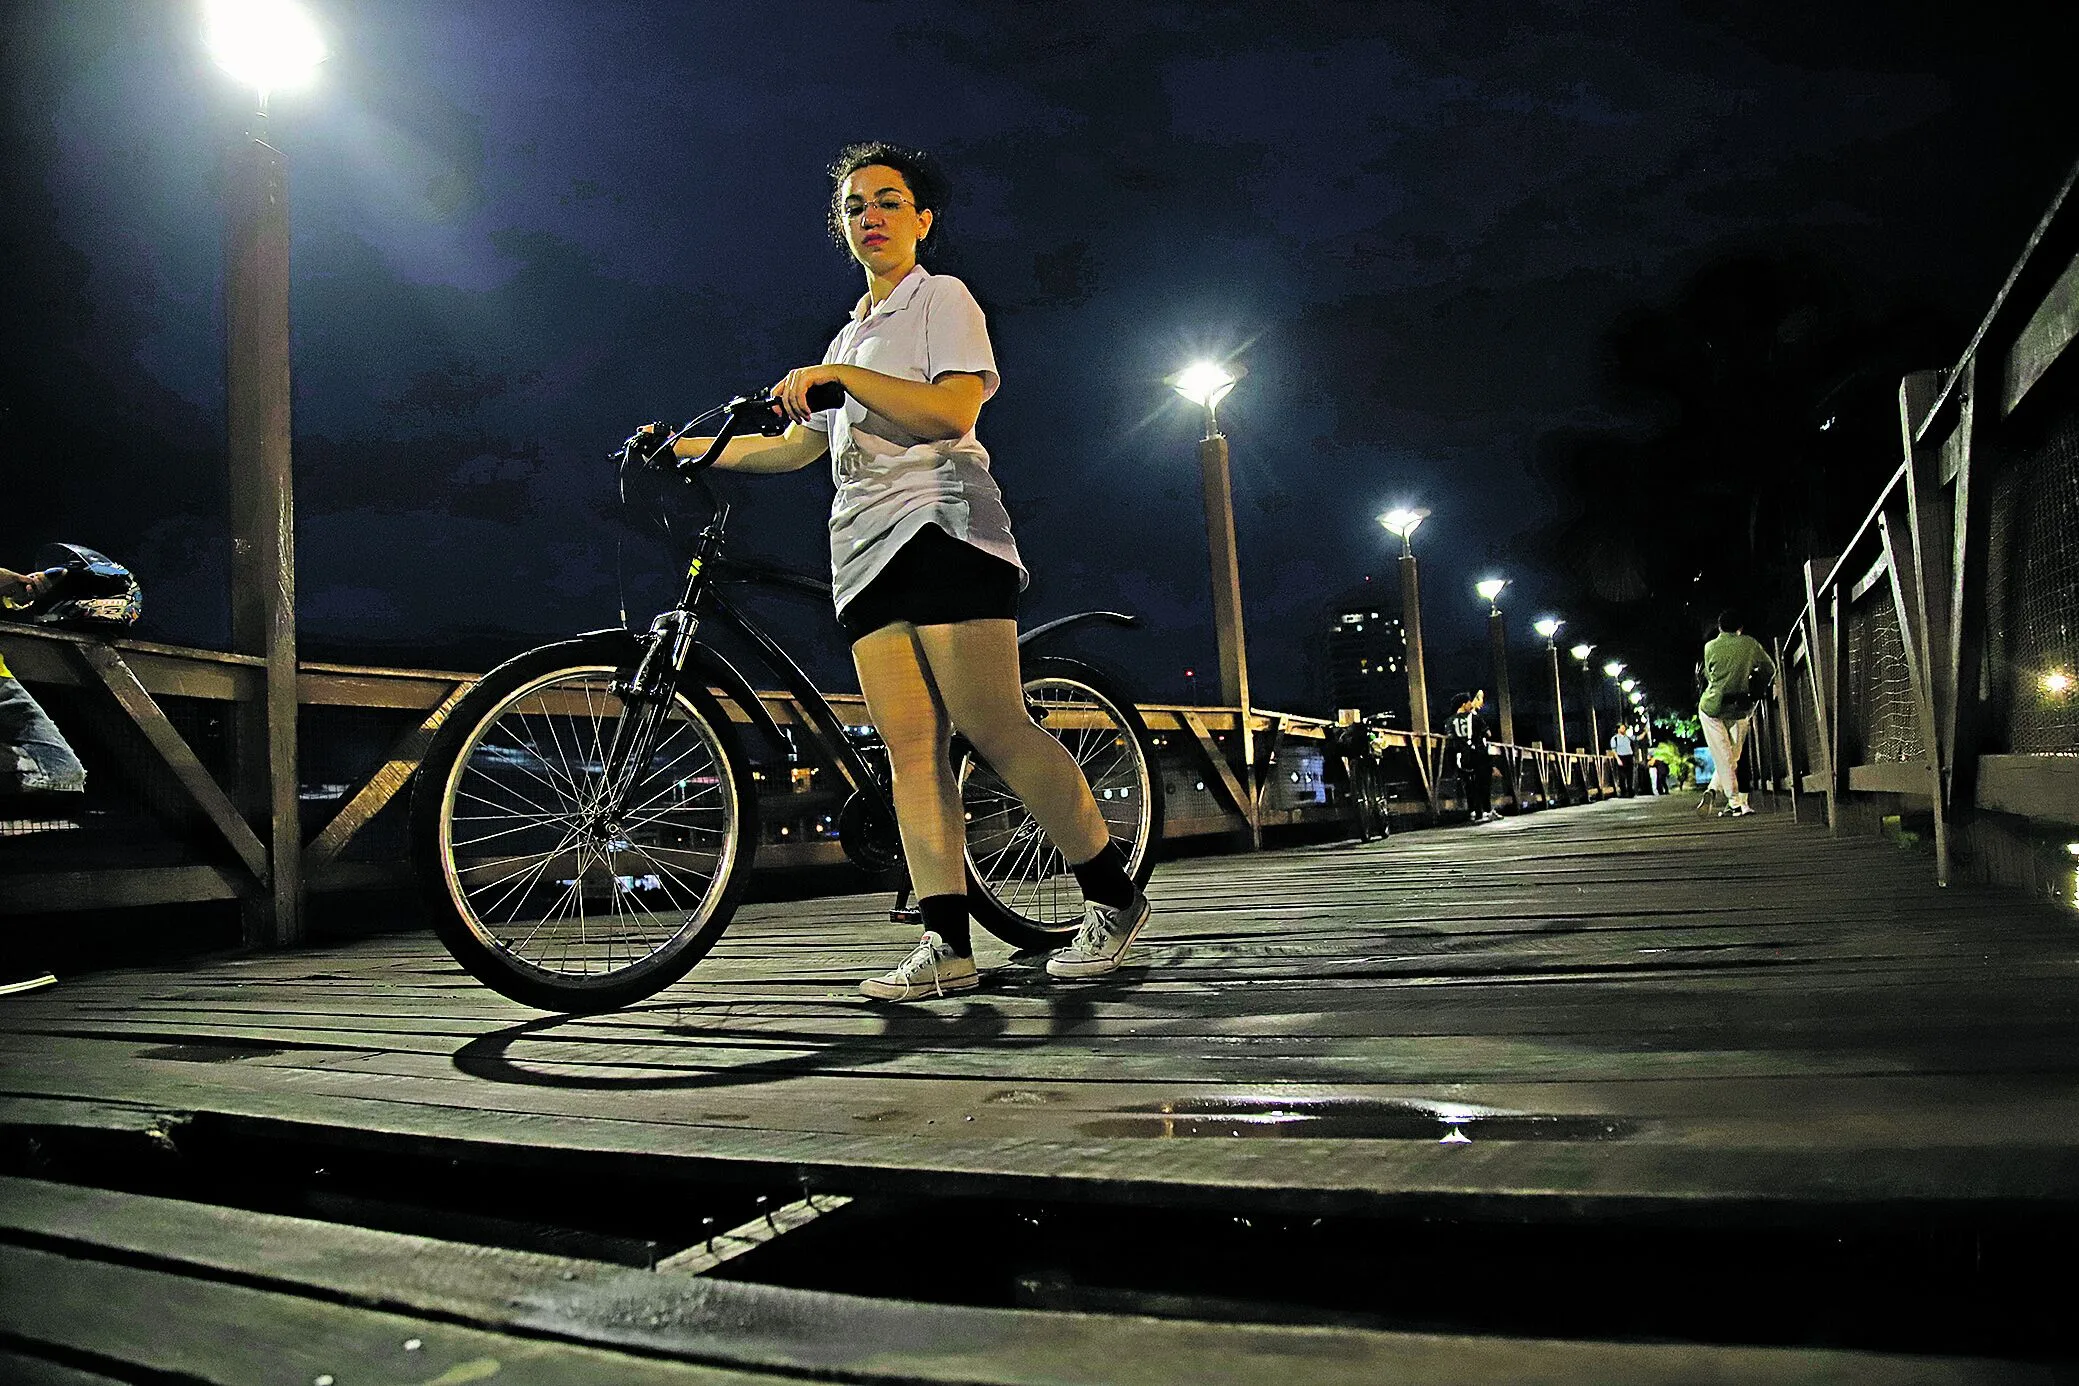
1625,1010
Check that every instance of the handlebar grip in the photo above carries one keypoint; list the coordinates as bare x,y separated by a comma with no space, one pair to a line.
828,395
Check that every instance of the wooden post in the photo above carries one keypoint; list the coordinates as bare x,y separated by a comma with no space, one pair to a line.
1929,526
1227,589
1970,528
1904,580
1819,670
1498,642
263,531
1783,720
1411,626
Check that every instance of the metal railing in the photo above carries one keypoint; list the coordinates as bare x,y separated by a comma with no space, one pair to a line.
1935,664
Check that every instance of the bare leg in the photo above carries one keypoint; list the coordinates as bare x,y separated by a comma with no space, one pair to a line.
906,710
974,666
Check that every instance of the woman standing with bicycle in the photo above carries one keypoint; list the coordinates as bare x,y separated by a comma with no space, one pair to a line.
926,574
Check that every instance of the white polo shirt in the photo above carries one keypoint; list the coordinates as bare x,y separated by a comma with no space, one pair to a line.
891,484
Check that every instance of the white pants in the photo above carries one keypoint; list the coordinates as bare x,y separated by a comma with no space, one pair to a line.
1726,740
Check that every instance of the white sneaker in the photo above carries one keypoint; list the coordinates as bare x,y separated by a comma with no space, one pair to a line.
931,969
1102,942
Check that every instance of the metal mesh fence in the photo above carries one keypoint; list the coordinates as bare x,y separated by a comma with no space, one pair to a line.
2032,591
1879,724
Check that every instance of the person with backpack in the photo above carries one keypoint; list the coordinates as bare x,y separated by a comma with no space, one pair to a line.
1467,749
1736,674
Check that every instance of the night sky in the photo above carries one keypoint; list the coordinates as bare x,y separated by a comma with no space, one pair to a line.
1448,242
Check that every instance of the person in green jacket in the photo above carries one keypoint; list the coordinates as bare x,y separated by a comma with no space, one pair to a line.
1737,674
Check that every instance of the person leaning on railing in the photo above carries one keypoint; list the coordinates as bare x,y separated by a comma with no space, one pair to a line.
35,760
1737,674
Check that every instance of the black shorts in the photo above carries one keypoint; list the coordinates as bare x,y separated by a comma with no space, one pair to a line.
934,580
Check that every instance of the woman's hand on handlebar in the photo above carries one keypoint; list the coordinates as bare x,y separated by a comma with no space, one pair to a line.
792,393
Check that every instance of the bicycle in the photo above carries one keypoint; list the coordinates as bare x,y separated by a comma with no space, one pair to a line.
586,817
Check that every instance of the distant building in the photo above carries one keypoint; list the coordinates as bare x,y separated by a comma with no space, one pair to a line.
1367,653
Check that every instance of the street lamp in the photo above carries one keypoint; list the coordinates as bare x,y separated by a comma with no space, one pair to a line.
1402,522
266,46
1595,730
1205,384
1548,627
1490,590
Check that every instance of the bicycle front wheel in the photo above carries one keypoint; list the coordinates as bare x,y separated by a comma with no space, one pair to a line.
1019,886
547,883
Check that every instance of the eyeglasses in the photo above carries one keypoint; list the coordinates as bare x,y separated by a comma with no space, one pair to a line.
888,203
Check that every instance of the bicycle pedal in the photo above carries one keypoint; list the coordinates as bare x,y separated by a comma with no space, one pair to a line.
906,914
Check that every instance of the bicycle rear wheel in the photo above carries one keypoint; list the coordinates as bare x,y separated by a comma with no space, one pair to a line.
537,883
1019,887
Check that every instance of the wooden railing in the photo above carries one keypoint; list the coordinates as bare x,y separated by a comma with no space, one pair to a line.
174,811
1934,669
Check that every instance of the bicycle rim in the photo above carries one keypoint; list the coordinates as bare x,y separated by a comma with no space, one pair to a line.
544,876
1007,852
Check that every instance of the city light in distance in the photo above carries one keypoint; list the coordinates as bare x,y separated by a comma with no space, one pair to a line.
2056,683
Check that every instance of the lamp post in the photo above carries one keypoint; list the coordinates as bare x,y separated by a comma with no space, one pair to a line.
1490,590
1595,730
266,46
1548,627
1403,522
1205,384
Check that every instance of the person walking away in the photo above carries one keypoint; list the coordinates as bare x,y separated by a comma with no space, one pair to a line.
1627,759
1737,674
925,573
1468,745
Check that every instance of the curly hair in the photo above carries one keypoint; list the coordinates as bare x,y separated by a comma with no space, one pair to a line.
927,180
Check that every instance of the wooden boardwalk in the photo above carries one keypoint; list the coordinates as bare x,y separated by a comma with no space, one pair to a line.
1617,1015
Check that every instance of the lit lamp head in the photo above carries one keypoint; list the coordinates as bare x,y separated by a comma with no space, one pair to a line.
1613,668
1205,384
2057,683
1403,522
1582,651
1638,697
1547,627
1628,684
1490,592
268,45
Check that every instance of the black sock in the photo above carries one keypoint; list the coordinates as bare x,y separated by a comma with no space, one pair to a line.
946,916
1104,879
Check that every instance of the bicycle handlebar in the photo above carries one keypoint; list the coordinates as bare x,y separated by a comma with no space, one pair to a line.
759,413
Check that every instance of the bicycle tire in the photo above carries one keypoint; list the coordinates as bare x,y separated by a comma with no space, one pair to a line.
517,756
1019,887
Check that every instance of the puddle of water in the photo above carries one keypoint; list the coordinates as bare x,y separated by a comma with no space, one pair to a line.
1346,1118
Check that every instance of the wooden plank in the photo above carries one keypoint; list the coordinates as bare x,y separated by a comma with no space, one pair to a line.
202,1330
2046,335
37,892
1237,796
821,1334
2045,788
367,801
188,771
